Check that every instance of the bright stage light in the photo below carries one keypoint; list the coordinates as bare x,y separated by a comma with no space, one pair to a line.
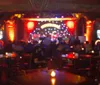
50,25
48,19
30,25
70,24
92,51
10,30
53,74
47,27
11,34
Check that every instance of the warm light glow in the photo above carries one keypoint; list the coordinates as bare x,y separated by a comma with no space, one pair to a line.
97,42
18,15
88,30
88,26
89,22
30,25
10,26
82,48
53,81
71,56
8,55
70,24
75,80
92,51
10,22
48,19
11,34
13,54
2,27
50,25
53,74
77,15
86,36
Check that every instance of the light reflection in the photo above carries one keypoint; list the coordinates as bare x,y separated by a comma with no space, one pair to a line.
53,81
75,79
78,79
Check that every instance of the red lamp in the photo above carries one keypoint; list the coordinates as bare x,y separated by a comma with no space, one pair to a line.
30,26
71,26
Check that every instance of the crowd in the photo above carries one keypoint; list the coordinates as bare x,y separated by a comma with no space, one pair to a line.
47,48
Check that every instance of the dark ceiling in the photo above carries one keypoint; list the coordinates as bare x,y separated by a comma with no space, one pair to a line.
50,5
91,8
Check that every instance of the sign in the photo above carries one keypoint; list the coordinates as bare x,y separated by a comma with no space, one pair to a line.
1,34
98,33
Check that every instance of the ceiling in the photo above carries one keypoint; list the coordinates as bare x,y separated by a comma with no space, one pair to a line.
50,5
88,7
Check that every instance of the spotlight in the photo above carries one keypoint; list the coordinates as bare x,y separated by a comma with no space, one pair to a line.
82,48
53,73
92,51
